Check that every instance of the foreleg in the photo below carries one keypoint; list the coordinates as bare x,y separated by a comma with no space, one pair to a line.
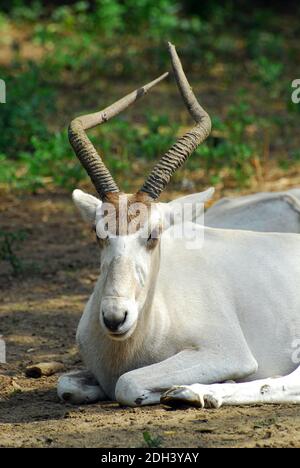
272,390
145,386
79,387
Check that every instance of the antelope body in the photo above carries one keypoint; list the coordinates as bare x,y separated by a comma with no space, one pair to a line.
166,314
264,212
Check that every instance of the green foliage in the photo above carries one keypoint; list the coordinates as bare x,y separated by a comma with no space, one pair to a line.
160,134
103,26
152,441
29,101
109,16
24,11
265,44
269,73
50,158
263,423
87,45
9,242
232,148
157,19
49,161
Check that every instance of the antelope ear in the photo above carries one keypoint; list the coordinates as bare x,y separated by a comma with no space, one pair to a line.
86,204
200,197
190,207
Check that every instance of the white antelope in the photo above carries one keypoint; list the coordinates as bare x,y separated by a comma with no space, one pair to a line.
264,211
170,323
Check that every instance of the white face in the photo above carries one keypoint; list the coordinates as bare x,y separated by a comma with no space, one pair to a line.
126,266
129,262
126,269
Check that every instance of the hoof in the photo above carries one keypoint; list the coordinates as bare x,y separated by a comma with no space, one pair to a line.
181,396
211,401
77,390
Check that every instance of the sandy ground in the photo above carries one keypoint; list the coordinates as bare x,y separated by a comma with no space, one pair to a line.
39,312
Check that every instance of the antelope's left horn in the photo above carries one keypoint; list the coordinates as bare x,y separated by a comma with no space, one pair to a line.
185,145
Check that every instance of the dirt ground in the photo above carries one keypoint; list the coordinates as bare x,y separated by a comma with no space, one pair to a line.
39,312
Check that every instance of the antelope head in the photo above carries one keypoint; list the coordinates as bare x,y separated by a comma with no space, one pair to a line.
129,227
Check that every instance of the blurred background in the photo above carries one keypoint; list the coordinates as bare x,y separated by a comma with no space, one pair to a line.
63,59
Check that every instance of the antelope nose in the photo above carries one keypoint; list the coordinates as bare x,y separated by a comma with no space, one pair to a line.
113,323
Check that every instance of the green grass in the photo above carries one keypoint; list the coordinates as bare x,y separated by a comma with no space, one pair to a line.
152,441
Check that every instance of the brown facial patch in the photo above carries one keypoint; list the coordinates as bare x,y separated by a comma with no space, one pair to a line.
154,238
152,243
101,242
128,213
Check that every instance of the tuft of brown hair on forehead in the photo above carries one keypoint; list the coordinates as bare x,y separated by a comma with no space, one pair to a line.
139,197
125,213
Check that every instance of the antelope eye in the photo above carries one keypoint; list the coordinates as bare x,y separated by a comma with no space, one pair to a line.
153,235
153,238
102,241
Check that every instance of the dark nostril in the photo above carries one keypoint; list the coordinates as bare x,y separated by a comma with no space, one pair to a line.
111,324
114,324
125,316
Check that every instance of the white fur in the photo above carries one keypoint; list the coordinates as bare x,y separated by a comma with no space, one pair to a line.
229,310
266,212
86,204
278,390
79,387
